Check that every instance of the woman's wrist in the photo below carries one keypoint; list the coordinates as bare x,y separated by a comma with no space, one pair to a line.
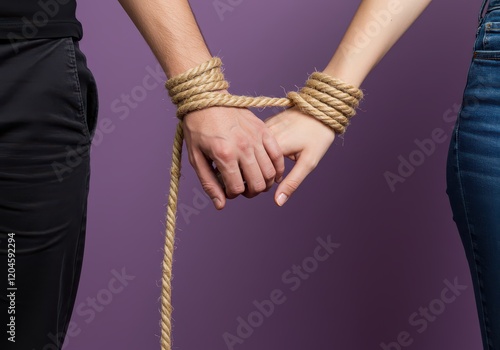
346,71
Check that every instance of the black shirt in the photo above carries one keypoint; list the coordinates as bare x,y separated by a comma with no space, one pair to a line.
30,19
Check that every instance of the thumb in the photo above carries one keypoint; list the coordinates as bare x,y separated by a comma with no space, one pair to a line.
292,181
209,181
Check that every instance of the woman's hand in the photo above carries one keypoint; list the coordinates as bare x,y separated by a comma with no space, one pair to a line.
303,139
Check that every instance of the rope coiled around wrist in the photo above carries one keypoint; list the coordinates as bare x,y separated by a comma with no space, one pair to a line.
330,100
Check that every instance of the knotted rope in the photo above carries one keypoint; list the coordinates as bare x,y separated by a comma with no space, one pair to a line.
328,99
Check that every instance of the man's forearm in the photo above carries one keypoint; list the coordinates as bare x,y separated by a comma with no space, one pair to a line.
375,28
171,31
238,143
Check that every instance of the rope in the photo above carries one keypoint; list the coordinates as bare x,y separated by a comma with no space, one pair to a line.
328,99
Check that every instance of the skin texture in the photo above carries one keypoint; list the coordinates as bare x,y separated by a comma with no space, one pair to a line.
248,152
233,139
304,139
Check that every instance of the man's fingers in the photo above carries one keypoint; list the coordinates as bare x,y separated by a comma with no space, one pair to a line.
208,180
266,166
292,181
275,154
253,176
231,176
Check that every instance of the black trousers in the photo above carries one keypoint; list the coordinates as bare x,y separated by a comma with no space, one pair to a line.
48,113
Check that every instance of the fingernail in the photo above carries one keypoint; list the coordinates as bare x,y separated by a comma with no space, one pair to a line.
282,199
217,202
280,179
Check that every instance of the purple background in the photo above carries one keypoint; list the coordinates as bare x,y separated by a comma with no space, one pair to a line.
396,248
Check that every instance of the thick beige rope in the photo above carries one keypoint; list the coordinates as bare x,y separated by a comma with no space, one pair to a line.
330,100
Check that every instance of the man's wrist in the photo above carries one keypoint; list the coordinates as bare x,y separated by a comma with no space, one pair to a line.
180,64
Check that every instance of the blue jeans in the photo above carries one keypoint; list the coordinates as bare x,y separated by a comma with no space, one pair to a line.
473,173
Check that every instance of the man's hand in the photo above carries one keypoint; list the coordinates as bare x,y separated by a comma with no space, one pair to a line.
303,139
241,147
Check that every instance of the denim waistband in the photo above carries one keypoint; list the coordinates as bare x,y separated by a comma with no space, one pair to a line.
492,4
488,6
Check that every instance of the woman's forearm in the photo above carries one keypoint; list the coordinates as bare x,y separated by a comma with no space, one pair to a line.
171,31
375,28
